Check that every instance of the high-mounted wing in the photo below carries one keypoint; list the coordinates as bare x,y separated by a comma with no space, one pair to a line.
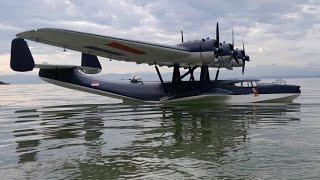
111,47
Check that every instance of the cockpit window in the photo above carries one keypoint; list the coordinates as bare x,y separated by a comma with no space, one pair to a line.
254,83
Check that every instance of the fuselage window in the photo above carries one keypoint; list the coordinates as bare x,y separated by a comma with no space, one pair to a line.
249,84
238,84
246,84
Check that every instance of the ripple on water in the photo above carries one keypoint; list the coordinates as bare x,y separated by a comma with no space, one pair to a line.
107,141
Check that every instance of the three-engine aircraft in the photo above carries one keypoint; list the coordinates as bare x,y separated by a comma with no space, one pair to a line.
204,54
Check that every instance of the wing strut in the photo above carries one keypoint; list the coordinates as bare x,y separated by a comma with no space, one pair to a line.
204,74
217,74
191,73
176,74
160,77
191,70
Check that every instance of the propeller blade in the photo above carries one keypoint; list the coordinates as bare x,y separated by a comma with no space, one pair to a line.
216,43
243,66
232,40
243,46
217,36
243,51
182,36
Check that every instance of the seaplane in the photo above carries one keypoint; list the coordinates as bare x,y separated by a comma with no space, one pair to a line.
190,55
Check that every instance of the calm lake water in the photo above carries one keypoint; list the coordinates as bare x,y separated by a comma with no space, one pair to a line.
48,132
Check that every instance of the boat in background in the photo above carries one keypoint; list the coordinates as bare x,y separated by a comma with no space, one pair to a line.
3,83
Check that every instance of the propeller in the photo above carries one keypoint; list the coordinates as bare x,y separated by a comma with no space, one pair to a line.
223,49
244,57
220,49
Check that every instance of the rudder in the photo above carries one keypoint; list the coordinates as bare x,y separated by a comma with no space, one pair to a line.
91,62
21,57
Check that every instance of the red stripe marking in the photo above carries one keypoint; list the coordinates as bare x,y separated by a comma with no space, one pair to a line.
125,48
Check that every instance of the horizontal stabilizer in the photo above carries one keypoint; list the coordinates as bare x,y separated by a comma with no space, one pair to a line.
64,67
21,57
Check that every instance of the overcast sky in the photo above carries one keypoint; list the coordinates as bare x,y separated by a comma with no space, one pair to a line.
277,32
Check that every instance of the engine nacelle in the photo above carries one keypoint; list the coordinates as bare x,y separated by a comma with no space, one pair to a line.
207,57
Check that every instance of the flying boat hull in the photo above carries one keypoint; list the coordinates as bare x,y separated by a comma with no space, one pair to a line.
216,92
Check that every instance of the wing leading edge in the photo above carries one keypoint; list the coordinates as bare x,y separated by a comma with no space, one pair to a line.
113,48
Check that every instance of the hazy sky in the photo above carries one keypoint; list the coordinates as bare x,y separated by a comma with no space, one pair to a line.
277,32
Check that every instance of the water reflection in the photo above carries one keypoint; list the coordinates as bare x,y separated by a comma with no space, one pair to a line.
30,144
146,141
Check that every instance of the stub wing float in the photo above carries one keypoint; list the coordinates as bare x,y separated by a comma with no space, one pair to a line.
204,54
